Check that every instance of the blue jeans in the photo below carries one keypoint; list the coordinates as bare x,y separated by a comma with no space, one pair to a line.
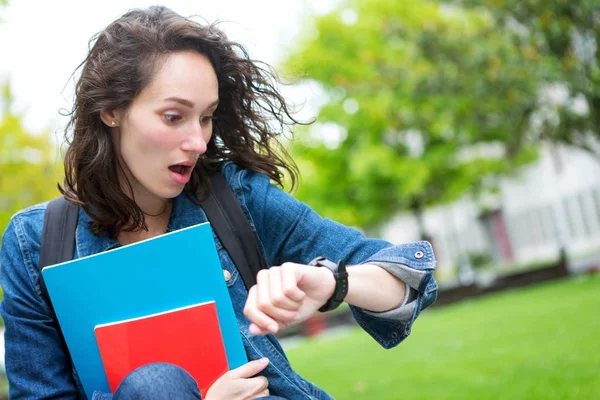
159,381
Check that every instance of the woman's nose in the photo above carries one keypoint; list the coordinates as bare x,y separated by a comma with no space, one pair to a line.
196,141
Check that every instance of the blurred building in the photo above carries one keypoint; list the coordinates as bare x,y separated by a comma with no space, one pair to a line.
553,203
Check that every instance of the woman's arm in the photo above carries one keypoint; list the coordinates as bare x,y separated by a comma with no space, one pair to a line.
372,288
293,292
291,233
36,364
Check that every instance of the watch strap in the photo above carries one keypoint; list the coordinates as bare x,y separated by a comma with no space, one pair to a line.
341,282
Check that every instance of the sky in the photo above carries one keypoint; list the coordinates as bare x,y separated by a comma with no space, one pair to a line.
43,41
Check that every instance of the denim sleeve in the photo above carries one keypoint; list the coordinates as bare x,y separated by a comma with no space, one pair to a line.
36,364
290,231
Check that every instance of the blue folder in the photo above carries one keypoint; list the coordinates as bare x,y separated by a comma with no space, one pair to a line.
166,272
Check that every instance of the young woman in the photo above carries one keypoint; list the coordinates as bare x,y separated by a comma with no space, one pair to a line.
161,103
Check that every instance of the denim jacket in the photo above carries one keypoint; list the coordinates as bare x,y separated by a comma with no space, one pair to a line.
288,230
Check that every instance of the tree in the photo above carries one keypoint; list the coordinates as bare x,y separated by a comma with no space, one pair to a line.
567,34
425,103
28,167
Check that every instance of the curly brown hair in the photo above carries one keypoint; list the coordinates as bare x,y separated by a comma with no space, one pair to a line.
251,116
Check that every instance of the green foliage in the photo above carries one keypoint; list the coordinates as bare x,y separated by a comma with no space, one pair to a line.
566,33
430,101
480,260
534,343
28,162
28,167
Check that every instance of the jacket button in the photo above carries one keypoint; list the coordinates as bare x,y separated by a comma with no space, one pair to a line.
227,275
419,254
394,335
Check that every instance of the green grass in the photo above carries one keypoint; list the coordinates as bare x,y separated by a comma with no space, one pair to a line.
537,343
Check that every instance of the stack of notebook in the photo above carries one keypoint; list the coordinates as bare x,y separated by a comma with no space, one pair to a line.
159,300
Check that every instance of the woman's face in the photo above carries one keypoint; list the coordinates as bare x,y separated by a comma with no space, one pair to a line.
160,136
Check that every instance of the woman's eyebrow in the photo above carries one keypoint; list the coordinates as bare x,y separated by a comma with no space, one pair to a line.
189,103
213,104
181,101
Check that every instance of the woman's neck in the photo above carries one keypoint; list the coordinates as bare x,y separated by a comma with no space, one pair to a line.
157,225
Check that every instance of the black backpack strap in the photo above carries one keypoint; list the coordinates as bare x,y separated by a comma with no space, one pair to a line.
233,229
58,237
57,244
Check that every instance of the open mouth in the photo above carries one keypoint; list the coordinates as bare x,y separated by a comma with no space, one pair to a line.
180,173
180,169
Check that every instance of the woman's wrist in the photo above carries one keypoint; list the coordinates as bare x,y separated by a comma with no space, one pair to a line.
374,289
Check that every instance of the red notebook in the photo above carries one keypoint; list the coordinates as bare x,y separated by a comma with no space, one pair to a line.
189,337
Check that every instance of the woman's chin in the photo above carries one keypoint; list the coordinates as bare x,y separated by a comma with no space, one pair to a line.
170,193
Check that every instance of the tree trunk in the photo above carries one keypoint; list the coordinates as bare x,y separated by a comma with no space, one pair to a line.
417,210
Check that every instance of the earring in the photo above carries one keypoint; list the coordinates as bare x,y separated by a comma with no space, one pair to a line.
113,123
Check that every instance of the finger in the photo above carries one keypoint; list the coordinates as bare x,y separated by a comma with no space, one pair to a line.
256,330
226,275
265,302
276,292
258,318
259,384
262,394
249,369
289,283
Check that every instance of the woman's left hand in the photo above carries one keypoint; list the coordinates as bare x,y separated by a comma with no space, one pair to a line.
286,295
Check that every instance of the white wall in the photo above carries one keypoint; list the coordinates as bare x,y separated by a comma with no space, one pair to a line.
555,200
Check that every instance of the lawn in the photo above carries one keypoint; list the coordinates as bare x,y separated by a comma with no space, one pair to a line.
541,342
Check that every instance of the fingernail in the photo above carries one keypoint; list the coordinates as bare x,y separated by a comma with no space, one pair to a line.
264,361
273,328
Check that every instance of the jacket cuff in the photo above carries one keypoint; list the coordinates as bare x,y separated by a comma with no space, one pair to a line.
405,311
389,328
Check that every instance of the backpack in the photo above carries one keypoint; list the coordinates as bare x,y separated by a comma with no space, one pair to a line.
221,208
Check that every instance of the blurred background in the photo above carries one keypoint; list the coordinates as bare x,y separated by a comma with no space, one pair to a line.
473,124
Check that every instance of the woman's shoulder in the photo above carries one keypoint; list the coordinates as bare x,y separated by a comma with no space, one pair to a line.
32,211
28,223
32,214
241,178
231,171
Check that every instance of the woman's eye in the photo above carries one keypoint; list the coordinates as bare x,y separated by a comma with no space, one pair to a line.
206,120
172,117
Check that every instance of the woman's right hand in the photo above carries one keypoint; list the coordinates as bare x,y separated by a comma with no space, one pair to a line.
238,383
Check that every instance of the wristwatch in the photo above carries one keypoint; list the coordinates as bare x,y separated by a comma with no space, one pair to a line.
341,282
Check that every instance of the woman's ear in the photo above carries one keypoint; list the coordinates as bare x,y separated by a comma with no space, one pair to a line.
110,118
